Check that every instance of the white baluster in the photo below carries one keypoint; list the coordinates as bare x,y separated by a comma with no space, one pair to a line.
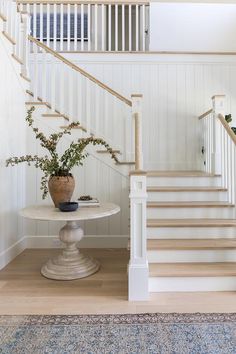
123,27
79,116
75,26
82,27
103,27
88,105
96,27
89,27
61,27
68,27
55,27
48,25
137,117
137,27
44,77
130,28
41,22
109,27
25,44
35,20
143,28
218,108
62,87
116,27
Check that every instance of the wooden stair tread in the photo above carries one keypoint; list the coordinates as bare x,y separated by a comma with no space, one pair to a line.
191,222
125,163
196,204
106,152
35,103
186,189
179,174
80,127
192,269
193,244
56,115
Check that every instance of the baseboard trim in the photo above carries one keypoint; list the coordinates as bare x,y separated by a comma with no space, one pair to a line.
89,241
11,252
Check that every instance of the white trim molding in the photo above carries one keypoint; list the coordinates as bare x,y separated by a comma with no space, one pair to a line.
138,264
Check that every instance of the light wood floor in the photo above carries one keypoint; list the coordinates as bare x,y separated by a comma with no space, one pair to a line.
24,291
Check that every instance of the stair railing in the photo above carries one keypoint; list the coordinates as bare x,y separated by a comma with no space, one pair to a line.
15,29
219,144
89,26
79,96
82,97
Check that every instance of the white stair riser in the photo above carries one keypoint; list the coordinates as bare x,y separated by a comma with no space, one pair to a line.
183,181
192,213
190,232
207,196
191,284
188,256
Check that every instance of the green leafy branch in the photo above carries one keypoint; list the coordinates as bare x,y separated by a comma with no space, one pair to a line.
55,165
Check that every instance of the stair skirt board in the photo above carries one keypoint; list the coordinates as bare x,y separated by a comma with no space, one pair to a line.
188,256
191,284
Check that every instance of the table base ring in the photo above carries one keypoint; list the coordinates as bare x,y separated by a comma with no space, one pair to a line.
59,268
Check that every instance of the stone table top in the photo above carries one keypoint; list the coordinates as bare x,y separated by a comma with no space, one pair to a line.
49,212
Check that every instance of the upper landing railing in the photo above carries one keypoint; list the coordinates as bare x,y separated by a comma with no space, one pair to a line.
89,26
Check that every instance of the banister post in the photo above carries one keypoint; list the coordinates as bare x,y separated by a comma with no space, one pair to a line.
137,119
218,104
25,28
138,264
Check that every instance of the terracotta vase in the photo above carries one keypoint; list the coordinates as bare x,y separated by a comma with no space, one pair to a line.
61,188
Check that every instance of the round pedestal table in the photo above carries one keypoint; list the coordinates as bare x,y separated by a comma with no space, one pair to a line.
71,263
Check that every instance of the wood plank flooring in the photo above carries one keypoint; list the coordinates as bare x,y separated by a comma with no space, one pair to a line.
24,291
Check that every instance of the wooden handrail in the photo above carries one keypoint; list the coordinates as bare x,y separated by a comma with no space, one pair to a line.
75,2
205,114
81,71
227,128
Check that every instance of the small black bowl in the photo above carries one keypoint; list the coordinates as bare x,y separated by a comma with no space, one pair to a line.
68,206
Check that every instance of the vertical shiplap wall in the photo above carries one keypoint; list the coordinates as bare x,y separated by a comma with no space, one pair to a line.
176,89
12,143
96,177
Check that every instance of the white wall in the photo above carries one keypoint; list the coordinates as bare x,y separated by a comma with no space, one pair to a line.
192,27
176,89
95,178
12,143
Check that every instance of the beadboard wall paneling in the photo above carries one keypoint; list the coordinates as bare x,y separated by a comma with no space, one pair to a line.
95,178
13,143
176,89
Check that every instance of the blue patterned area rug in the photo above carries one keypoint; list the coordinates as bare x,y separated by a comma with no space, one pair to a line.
119,334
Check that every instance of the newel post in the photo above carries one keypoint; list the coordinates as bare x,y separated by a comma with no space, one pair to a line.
25,29
138,264
137,121
218,104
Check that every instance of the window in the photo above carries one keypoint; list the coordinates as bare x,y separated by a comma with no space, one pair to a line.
72,35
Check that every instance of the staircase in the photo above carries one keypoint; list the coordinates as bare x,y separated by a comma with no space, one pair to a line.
182,222
191,230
